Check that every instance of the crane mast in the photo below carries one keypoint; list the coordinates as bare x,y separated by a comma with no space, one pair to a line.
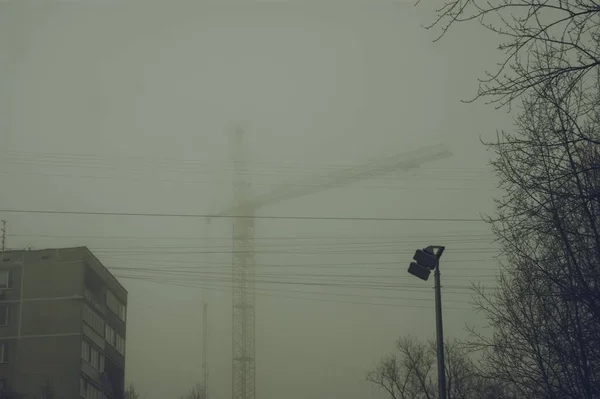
243,262
205,347
243,268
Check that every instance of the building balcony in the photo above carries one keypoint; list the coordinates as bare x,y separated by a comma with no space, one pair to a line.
96,304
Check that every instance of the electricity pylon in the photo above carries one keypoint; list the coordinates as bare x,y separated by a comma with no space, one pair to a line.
244,207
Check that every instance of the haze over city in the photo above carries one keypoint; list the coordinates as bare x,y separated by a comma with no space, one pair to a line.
118,124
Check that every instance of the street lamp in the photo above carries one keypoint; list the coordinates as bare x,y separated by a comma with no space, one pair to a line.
427,260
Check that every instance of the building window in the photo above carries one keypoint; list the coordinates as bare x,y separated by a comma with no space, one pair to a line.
94,359
4,353
87,390
122,311
109,335
4,310
92,355
115,305
120,344
101,362
92,298
5,279
115,339
85,350
93,320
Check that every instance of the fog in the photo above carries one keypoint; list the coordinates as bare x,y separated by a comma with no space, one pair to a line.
130,107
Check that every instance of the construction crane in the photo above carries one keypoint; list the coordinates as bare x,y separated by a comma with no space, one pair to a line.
205,347
243,211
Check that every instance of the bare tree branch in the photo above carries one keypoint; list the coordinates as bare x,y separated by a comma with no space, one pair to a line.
197,392
565,31
410,374
545,314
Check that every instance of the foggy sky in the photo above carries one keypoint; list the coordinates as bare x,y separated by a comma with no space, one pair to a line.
129,107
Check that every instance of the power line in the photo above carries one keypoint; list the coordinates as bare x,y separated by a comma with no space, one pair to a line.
218,288
318,245
270,171
208,216
458,237
335,294
78,158
384,285
279,252
219,273
176,274
336,266
258,184
196,166
386,186
490,266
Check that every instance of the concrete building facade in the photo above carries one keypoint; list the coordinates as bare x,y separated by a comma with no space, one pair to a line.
62,326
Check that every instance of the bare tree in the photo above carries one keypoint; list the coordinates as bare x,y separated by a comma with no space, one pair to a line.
131,392
545,313
567,30
411,373
197,392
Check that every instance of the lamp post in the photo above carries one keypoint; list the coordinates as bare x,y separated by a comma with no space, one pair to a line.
427,260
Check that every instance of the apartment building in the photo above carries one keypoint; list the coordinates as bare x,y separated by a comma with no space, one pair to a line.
62,326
